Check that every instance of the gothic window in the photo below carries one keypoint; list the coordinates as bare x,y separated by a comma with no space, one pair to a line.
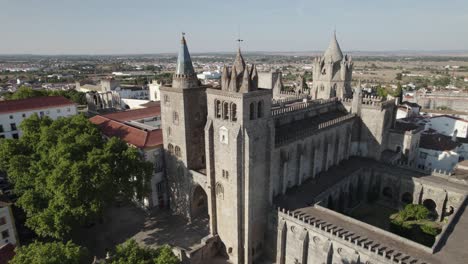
260,109
233,112
169,131
177,151
322,88
167,99
252,111
170,148
175,118
225,110
225,174
218,109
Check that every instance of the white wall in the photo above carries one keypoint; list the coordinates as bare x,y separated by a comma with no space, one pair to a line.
8,227
446,126
434,159
6,119
155,156
154,92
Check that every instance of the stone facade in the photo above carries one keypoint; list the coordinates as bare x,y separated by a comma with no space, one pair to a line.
231,151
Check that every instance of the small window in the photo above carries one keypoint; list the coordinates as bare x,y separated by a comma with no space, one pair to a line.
5,234
159,187
68,109
252,111
13,126
218,109
169,131
170,148
2,221
177,151
11,116
15,136
1,128
175,118
225,110
24,115
260,109
233,112
167,99
58,110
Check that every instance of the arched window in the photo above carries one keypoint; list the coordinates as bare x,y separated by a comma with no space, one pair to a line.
225,110
233,112
252,111
170,148
177,151
260,109
218,109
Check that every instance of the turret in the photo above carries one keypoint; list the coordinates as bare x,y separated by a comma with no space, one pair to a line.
184,76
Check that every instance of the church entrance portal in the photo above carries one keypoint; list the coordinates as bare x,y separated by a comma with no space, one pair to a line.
199,203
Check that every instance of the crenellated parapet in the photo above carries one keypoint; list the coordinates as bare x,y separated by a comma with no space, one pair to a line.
340,237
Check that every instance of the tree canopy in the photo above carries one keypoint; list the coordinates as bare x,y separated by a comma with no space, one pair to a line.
50,253
26,92
65,173
131,253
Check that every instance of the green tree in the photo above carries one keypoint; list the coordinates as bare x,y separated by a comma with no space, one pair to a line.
65,173
399,76
26,92
131,253
50,253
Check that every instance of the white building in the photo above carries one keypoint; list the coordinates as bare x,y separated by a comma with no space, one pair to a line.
407,109
448,125
154,92
8,234
438,152
140,128
13,112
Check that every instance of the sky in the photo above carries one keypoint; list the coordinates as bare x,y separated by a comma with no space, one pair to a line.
154,26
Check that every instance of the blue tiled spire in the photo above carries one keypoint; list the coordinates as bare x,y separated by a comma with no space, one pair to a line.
184,63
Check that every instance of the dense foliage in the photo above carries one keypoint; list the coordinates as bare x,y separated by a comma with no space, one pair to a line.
131,253
65,173
50,253
27,92
415,222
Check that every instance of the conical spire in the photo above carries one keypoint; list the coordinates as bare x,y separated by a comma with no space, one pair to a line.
233,83
184,63
245,87
225,78
333,52
239,62
254,77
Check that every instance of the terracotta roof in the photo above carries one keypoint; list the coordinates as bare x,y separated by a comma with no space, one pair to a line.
7,252
437,142
132,135
135,114
33,103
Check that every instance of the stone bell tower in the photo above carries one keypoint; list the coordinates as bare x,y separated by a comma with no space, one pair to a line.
238,137
183,117
332,73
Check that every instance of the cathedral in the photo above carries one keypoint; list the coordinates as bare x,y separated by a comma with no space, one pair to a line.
277,174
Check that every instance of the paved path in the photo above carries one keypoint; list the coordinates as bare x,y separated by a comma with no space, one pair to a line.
154,229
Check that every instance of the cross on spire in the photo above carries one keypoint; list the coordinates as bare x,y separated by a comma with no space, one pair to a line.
239,40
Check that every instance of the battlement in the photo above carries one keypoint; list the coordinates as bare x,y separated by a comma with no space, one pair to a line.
433,172
301,106
370,102
343,235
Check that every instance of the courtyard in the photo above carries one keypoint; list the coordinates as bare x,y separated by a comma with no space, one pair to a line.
374,214
151,229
